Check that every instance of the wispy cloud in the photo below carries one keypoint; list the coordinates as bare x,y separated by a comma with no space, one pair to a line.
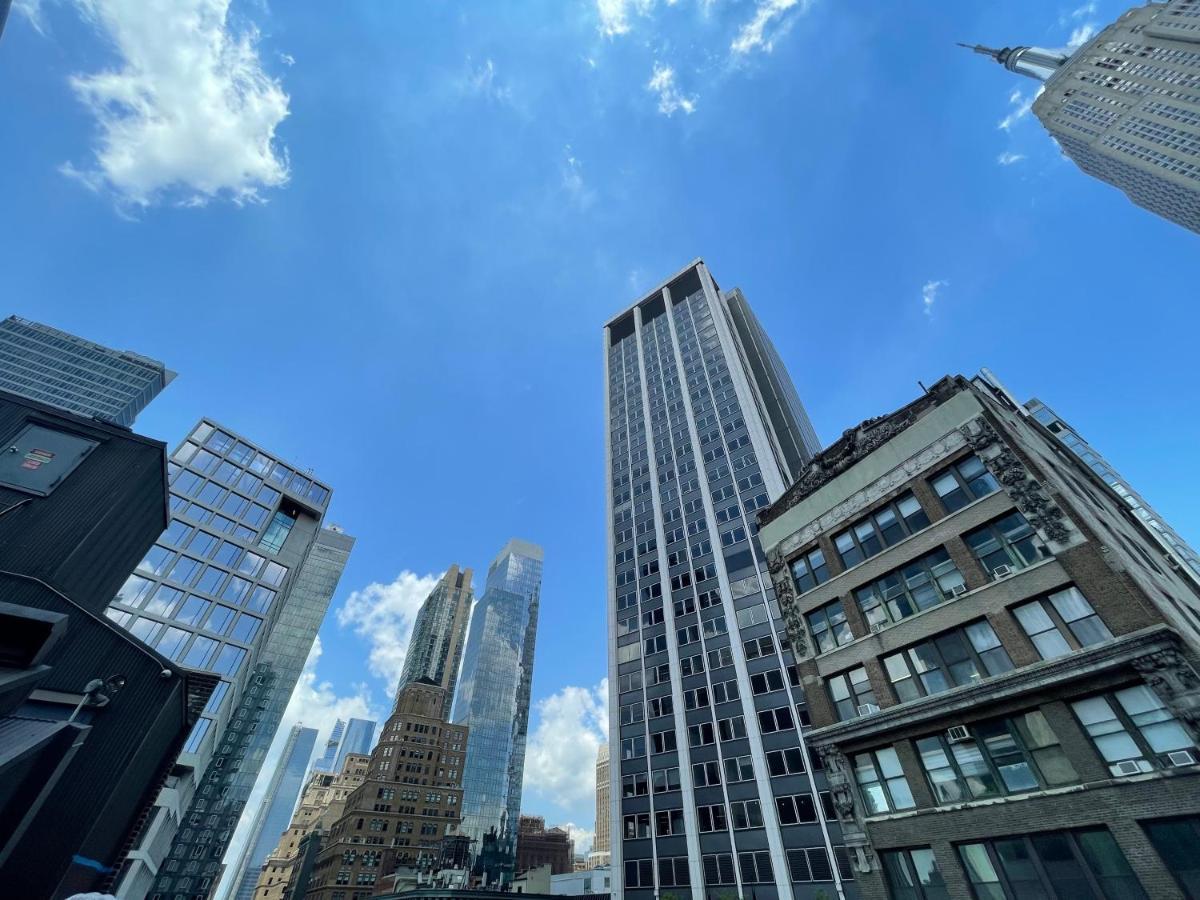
615,14
32,11
573,182
670,98
771,20
188,113
1021,105
929,295
1008,159
482,81
1081,35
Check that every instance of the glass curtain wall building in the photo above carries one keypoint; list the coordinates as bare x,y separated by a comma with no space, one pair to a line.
359,738
216,586
713,789
274,813
436,646
325,763
75,374
493,699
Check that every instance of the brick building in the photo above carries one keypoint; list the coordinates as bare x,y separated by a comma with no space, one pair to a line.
539,846
410,800
998,661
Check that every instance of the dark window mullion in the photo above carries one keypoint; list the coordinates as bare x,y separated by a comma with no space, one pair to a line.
1082,860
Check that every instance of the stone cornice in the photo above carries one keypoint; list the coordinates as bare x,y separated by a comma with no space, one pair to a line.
959,701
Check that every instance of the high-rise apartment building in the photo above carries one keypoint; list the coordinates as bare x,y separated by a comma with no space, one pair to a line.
602,842
75,374
493,700
436,647
408,804
1001,666
325,763
223,591
359,738
717,791
1125,106
273,813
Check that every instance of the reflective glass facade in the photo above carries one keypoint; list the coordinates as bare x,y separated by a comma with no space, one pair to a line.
216,592
325,763
436,647
276,810
708,757
493,694
359,738
74,374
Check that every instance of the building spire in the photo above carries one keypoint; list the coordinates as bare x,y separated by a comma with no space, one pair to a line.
1033,62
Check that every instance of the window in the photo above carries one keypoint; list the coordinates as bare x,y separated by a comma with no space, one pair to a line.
633,747
732,728
965,481
810,864
952,659
635,785
659,706
274,574
714,626
665,780
1134,731
1176,841
1006,542
673,871
246,628
756,867
706,774
662,742
261,599
218,621
796,809
1085,864
738,768
785,762
880,530
639,873
155,562
829,627
637,826
881,781
712,818
809,570
668,822
772,720
235,590
721,656
1004,756
229,660
718,869
852,694
171,642
192,611
922,584
765,682
134,590
914,875
753,648
184,570
1061,622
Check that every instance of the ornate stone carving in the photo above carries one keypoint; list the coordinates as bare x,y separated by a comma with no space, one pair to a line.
1030,497
1172,677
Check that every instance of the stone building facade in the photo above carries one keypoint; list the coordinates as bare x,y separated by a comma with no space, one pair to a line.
321,805
410,800
541,846
1000,665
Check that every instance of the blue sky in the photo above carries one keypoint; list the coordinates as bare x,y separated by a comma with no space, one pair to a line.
381,238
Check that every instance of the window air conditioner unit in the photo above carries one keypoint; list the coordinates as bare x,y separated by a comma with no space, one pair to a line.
1128,767
956,734
1182,758
958,590
1002,571
865,709
877,627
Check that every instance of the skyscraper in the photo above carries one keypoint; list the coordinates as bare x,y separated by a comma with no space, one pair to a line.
602,843
274,813
325,763
704,427
230,587
436,646
1125,107
493,695
359,738
75,374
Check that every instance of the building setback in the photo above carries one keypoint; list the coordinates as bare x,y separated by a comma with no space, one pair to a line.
409,802
90,719
538,846
1000,664
436,646
1124,106
717,792
493,701
219,591
288,867
274,812
71,373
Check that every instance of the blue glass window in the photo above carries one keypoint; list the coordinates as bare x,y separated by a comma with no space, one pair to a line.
163,600
199,653
228,553
171,642
256,515
210,580
229,660
218,622
210,493
185,482
176,532
192,610
274,574
184,570
241,453
202,543
246,628
133,590
220,442
235,505
267,495
227,473
156,560
250,564
260,464
260,601
235,590
277,531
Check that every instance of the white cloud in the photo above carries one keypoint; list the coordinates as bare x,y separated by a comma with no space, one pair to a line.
670,97
929,295
1088,9
1022,105
1081,35
573,182
32,11
187,111
767,25
315,704
481,81
582,837
614,14
560,760
1008,159
384,614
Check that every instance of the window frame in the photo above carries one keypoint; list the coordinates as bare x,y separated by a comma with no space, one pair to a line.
852,694
933,649
1060,625
962,483
1016,560
880,605
858,548
839,632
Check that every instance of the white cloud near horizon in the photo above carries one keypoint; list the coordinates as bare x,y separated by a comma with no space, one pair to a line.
769,23
929,295
560,759
187,113
670,98
383,615
1007,159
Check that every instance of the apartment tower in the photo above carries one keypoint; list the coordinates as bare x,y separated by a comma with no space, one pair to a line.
704,428
436,647
1125,106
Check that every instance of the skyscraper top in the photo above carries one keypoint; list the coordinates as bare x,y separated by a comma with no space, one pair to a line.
1033,62
520,548
76,374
